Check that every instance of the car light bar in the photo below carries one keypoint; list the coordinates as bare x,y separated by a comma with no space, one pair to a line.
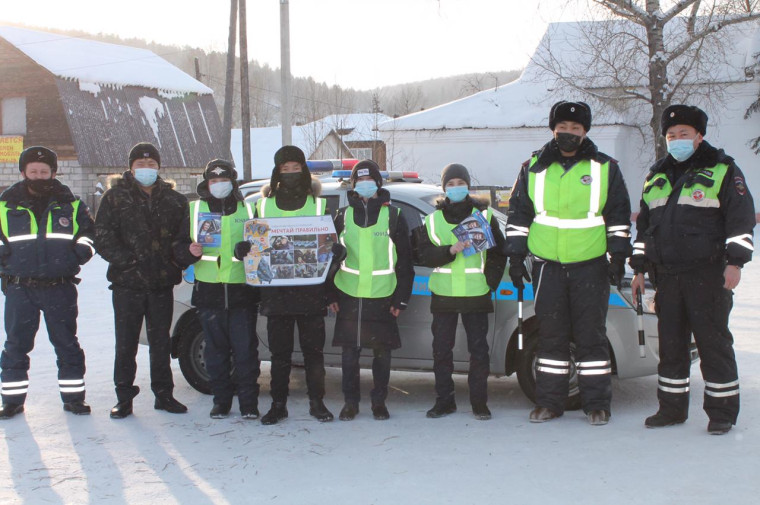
330,165
393,174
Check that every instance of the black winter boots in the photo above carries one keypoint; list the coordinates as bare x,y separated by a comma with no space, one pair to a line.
277,413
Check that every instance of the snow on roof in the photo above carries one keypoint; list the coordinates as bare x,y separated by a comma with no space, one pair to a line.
100,63
526,101
352,127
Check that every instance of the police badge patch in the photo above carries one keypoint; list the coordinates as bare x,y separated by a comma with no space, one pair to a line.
698,195
741,188
64,221
586,179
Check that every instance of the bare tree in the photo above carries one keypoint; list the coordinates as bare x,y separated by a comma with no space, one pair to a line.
754,108
408,100
650,52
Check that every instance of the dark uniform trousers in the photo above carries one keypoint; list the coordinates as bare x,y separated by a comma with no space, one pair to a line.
381,374
22,320
311,335
444,330
130,308
571,302
232,333
696,302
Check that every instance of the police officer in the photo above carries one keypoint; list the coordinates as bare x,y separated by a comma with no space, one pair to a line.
227,306
46,235
143,232
569,208
461,287
374,285
695,230
293,192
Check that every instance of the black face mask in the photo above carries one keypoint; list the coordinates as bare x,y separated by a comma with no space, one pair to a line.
41,186
291,181
568,142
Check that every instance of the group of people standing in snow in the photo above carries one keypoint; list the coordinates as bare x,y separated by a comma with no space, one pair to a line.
569,211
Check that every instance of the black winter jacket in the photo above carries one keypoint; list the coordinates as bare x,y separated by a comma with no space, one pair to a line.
210,295
379,327
51,257
616,212
681,237
433,256
144,238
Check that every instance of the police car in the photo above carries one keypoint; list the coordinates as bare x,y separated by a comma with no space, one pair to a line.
416,200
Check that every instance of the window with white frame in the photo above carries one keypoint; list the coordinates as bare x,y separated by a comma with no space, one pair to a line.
362,153
14,116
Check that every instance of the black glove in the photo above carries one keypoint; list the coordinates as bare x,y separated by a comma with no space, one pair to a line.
616,270
242,249
339,252
517,271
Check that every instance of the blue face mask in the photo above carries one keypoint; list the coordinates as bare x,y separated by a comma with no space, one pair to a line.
366,189
146,176
457,193
681,149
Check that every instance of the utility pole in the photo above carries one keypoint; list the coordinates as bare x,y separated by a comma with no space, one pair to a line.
285,87
197,70
244,106
229,83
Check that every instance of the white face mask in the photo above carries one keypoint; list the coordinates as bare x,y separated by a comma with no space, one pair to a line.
220,190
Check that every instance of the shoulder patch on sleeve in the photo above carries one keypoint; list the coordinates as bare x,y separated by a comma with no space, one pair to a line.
740,186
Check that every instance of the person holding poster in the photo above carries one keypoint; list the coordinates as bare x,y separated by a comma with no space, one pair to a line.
460,285
374,284
292,192
227,306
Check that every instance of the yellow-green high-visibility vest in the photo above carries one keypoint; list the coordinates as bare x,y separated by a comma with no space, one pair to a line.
465,276
267,207
30,229
568,226
702,193
218,264
369,268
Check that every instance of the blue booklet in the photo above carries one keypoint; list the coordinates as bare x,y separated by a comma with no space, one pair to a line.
210,229
476,231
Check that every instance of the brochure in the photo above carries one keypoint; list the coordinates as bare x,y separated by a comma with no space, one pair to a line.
476,230
210,229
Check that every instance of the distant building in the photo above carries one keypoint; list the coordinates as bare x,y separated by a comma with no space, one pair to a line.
338,136
91,102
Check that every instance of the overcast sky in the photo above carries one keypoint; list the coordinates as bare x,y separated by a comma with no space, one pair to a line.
353,43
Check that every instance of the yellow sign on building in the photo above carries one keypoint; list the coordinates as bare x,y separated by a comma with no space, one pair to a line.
10,148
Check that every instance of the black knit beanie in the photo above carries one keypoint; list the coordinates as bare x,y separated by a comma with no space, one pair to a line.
364,168
454,171
144,150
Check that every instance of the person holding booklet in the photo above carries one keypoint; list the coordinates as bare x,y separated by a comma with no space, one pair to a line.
373,284
461,286
227,306
292,192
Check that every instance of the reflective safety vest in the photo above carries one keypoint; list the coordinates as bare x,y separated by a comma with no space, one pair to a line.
465,276
218,264
369,268
702,193
42,252
568,226
267,207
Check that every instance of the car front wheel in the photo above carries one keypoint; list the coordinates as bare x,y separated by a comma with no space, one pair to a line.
190,356
526,372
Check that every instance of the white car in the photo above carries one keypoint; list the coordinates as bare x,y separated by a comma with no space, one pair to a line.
416,201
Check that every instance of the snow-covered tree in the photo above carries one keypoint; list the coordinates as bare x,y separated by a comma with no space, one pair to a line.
649,53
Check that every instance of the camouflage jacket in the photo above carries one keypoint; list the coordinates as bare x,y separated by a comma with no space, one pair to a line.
144,238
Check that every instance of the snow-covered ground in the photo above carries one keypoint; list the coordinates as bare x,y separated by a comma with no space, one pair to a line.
48,456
